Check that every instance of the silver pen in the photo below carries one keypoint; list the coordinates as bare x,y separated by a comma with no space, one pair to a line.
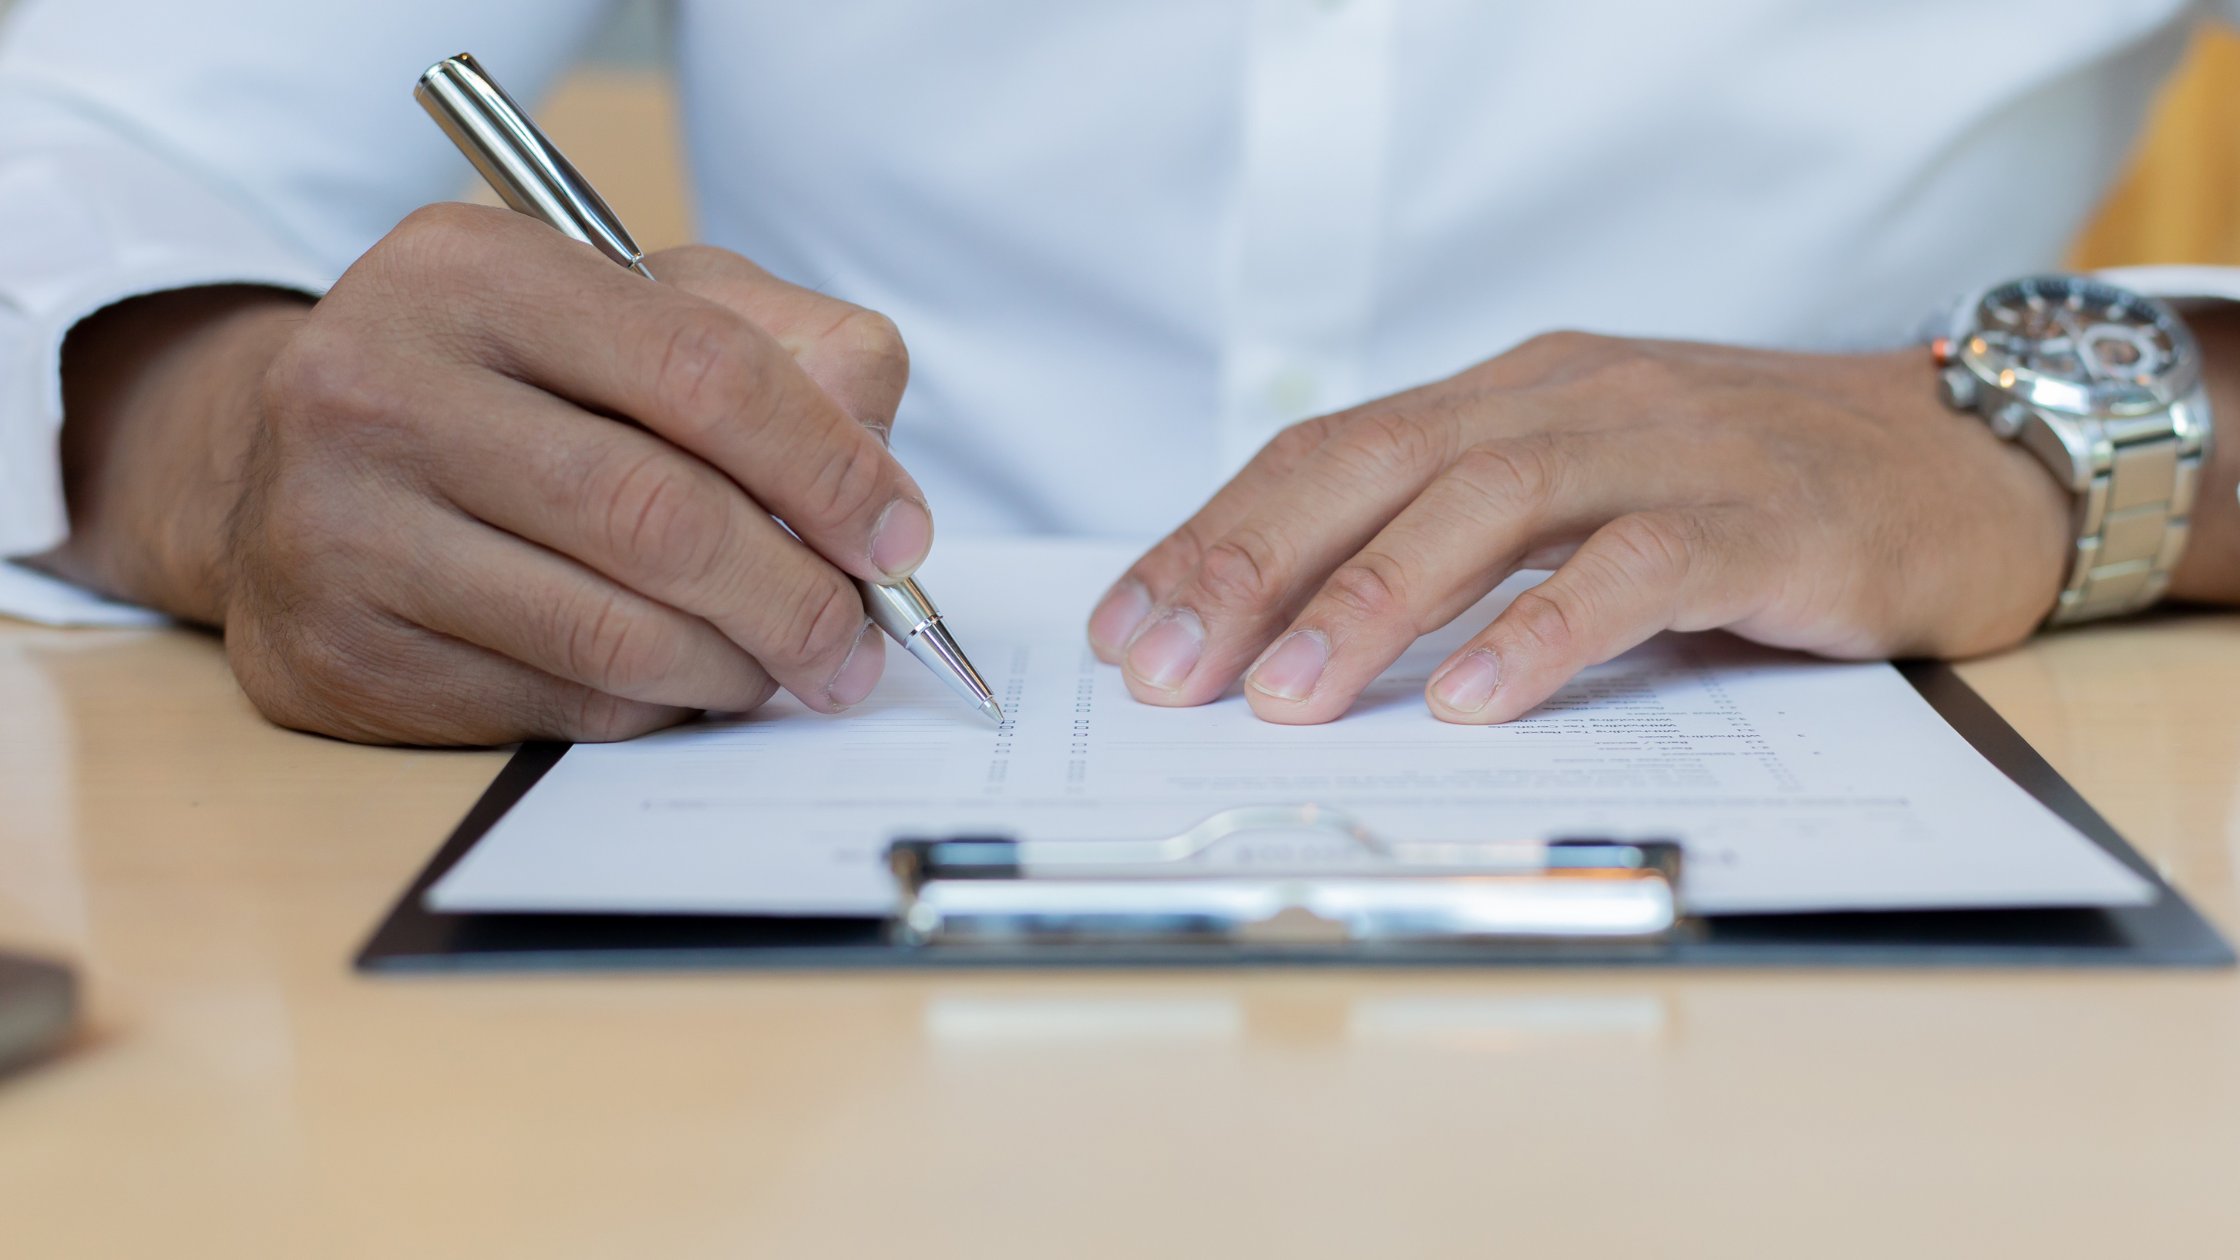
533,177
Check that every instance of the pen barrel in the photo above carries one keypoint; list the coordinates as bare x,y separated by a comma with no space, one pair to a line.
908,616
526,170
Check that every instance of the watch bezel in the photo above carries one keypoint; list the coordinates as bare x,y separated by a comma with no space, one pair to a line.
2072,397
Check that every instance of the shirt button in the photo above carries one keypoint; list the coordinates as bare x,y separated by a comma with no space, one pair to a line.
1292,393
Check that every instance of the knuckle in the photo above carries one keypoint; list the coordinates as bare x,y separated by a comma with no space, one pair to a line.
1171,562
1643,373
658,517
1559,355
1180,553
849,484
294,538
442,218
1541,621
278,680
300,704
431,227
1241,571
324,376
1563,343
590,716
1295,442
713,272
861,357
817,625
696,259
705,376
1370,587
1652,548
1518,470
763,691
872,342
447,239
338,674
1564,357
613,647
1382,443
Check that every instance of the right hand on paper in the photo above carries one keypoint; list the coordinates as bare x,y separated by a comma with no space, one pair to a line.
494,487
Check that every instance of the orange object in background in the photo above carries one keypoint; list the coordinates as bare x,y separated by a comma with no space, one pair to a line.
2180,201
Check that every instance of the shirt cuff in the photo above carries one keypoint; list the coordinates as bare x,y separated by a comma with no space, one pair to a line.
111,220
2178,282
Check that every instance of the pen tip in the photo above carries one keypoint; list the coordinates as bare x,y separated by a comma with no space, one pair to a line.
993,710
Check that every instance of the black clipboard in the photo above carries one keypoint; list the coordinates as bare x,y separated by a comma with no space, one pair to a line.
2167,932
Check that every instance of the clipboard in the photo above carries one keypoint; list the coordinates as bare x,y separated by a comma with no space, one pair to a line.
2167,932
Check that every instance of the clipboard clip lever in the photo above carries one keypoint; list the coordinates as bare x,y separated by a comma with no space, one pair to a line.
1298,874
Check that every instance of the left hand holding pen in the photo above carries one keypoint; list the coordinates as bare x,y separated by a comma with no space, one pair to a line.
1823,502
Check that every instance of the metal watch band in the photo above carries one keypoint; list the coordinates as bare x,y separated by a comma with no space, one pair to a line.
2133,514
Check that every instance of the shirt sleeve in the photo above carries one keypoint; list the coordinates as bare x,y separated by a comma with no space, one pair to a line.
2178,282
147,145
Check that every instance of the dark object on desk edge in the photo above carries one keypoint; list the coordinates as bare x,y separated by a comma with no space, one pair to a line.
2166,932
38,1006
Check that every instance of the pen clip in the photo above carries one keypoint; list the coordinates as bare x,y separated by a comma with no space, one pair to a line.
525,169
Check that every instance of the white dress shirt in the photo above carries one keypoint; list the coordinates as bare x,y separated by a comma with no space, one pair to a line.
1126,240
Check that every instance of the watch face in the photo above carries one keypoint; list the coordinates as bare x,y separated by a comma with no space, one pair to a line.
2074,344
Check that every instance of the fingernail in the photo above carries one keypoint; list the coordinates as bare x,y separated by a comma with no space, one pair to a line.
1165,654
860,672
903,536
1291,671
1122,610
1468,683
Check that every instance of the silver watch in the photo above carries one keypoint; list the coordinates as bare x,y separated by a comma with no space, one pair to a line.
2104,386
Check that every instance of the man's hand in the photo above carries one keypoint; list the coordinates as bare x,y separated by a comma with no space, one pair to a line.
494,487
1827,503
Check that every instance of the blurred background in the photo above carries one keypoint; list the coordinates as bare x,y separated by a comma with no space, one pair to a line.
2180,202
616,116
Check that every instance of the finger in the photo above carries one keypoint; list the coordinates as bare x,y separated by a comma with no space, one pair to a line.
1252,580
659,522
1153,579
855,354
1548,360
696,373
1160,570
475,584
1638,575
374,679
1492,507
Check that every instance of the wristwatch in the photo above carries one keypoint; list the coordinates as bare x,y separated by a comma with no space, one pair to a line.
2104,386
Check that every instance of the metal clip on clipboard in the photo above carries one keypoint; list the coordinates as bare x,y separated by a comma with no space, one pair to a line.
1343,884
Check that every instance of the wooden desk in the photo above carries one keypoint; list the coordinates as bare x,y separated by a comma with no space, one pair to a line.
242,1094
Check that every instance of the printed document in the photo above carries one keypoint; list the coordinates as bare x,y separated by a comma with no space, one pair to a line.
1792,783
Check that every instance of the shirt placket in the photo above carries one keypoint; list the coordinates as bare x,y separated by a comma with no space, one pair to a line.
1300,244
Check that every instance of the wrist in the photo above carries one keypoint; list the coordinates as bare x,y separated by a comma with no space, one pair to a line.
1996,528
2210,568
161,404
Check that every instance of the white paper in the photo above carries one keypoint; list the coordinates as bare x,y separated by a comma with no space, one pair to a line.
1794,783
